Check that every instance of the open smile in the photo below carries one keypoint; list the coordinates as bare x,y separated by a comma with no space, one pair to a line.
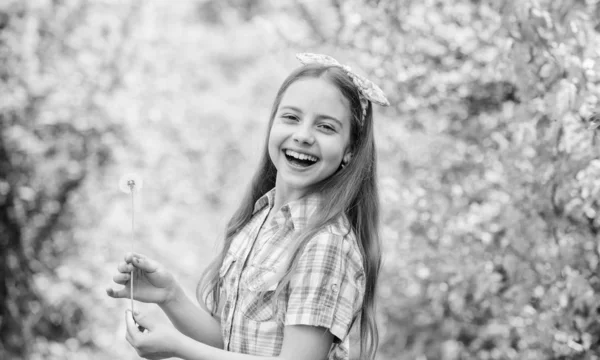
299,159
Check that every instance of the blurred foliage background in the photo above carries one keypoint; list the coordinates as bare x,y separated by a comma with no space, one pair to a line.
489,166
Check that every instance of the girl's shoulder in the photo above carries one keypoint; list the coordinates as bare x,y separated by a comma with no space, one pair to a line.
339,237
340,226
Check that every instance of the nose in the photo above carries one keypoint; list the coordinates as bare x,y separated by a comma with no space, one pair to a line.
304,135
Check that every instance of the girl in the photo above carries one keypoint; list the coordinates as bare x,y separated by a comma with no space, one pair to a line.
301,255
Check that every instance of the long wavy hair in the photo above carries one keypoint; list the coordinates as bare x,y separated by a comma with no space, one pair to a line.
351,191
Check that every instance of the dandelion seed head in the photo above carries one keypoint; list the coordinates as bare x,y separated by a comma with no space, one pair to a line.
130,182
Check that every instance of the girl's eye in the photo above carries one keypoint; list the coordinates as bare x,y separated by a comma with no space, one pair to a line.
328,128
289,117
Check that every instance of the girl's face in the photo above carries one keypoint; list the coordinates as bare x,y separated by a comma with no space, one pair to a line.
310,135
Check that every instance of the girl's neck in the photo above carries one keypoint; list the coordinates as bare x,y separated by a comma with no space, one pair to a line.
284,195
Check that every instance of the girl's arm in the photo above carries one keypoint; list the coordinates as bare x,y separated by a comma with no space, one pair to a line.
192,320
301,342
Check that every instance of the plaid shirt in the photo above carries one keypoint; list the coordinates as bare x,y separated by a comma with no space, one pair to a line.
326,289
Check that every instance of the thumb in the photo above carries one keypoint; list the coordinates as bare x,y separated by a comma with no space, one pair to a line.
143,263
130,325
142,321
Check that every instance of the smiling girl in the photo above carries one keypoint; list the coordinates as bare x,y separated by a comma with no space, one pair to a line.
301,255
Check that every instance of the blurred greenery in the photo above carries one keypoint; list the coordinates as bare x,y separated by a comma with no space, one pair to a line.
489,168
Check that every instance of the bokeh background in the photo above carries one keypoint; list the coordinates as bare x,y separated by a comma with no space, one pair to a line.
488,157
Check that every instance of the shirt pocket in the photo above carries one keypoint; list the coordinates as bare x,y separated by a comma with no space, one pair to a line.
259,285
225,281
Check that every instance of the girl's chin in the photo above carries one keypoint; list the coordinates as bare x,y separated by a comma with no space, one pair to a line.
295,180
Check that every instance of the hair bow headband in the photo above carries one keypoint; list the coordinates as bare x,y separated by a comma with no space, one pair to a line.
367,90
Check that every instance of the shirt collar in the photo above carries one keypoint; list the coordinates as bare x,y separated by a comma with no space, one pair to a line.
266,199
297,211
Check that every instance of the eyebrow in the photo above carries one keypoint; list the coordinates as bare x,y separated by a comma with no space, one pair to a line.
293,108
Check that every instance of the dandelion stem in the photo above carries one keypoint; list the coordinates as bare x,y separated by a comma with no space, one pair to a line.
131,187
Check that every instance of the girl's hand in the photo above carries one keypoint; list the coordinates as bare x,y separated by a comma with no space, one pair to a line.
155,341
151,283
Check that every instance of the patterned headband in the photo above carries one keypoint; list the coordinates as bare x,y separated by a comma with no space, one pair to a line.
367,90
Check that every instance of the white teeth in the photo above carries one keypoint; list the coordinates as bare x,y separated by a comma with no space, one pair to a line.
300,156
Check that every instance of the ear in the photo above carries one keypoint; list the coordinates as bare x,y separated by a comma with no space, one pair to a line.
347,157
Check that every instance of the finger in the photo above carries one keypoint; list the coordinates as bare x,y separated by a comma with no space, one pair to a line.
118,294
125,267
129,338
130,256
143,263
132,329
136,314
143,321
122,278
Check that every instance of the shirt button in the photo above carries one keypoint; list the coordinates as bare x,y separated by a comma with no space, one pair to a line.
334,288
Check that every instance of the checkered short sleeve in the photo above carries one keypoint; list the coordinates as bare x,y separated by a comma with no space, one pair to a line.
326,288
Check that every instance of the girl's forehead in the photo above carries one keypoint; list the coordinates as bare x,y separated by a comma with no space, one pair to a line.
315,94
